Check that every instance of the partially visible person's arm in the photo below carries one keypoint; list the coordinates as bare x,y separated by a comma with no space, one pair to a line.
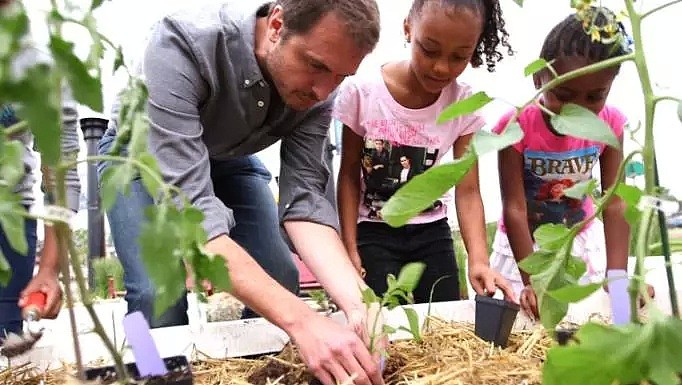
471,219
309,218
349,193
47,277
515,214
616,228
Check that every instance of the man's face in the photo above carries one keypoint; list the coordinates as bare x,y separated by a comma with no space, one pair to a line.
305,69
379,145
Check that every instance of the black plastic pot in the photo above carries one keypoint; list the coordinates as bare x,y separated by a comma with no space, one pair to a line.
495,319
179,373
563,335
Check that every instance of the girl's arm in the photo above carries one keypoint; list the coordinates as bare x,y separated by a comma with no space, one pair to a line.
514,209
616,228
469,204
349,192
471,219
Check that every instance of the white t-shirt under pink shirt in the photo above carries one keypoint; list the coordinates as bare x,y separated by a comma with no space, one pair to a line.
399,142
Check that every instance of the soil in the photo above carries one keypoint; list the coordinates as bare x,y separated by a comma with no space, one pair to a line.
288,374
174,378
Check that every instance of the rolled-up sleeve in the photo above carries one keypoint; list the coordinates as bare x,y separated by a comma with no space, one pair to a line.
304,173
176,90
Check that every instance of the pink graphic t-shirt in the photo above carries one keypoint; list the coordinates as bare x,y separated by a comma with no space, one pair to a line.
553,163
399,142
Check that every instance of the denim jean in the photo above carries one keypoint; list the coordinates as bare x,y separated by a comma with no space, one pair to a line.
22,272
242,185
385,250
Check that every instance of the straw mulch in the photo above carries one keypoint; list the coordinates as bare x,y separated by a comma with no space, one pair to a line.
449,353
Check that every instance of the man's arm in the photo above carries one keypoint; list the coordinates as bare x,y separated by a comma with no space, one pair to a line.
309,218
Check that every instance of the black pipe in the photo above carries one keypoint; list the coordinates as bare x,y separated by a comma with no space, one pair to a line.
93,129
665,246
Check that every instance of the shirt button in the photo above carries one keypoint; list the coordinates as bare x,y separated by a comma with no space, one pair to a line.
260,103
247,82
261,83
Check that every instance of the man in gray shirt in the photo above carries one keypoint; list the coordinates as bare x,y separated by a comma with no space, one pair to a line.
225,82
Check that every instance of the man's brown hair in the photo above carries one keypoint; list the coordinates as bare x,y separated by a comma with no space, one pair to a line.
359,17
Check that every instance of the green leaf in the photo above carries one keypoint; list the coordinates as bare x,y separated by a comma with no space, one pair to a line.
519,2
115,178
5,271
551,236
581,189
12,220
409,276
631,195
11,162
212,267
537,262
424,189
464,107
551,311
485,142
368,296
118,62
387,329
162,250
575,268
413,321
96,4
582,123
534,67
574,293
679,110
625,354
38,105
87,89
150,178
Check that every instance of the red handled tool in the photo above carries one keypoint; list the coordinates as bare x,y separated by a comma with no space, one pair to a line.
15,344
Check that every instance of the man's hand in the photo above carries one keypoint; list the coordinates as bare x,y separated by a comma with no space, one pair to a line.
335,353
529,302
486,281
47,282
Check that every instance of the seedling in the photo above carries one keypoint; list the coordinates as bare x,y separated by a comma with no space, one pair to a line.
399,290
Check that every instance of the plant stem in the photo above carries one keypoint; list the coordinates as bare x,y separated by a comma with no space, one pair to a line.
669,98
167,188
656,9
87,303
647,152
62,233
15,129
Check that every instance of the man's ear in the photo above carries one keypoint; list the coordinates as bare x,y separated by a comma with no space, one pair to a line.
275,23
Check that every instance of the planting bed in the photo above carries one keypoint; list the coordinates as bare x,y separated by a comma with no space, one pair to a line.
449,353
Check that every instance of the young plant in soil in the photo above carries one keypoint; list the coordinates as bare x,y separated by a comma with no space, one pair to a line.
399,292
173,234
653,349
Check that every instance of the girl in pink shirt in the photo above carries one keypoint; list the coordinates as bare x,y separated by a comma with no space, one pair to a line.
390,135
535,171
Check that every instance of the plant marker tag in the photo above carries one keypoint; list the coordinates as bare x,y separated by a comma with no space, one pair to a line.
147,358
618,293
667,206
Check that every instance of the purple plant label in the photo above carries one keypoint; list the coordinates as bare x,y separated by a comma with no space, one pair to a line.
147,357
618,293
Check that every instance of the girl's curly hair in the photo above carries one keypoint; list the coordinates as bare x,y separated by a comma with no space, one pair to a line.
494,33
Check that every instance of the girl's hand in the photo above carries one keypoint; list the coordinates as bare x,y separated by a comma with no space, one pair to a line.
486,281
529,302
